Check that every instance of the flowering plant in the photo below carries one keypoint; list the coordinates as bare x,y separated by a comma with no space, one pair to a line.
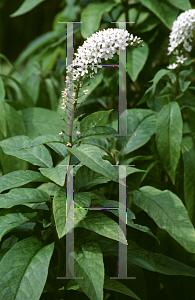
62,194
102,45
182,36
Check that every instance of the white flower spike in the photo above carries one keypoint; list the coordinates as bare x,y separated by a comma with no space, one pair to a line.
182,34
101,45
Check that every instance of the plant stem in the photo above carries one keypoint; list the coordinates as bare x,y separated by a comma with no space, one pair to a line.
177,89
61,242
72,121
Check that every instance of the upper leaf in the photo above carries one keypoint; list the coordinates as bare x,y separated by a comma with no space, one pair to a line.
140,125
163,10
91,156
91,17
98,118
136,59
26,6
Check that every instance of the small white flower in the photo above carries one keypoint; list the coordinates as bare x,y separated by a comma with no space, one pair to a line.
69,68
68,144
85,92
63,106
172,66
181,59
91,75
61,133
78,132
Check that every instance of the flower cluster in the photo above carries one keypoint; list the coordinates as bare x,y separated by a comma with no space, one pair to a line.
101,45
182,35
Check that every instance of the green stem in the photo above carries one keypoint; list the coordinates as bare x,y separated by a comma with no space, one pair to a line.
177,89
60,242
72,121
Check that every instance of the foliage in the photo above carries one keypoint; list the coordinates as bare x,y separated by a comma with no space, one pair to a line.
35,163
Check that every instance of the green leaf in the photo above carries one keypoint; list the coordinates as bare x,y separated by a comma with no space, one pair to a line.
49,187
40,121
88,263
57,174
155,262
2,252
22,196
129,216
96,132
169,127
141,125
147,96
49,62
27,99
11,122
102,143
51,92
5,58
18,178
2,89
163,10
26,6
90,156
136,59
59,148
184,85
24,269
98,118
151,90
3,125
38,155
11,163
169,213
189,179
46,138
103,225
32,84
117,286
181,4
60,210
87,178
158,76
14,217
91,17
131,170
35,45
